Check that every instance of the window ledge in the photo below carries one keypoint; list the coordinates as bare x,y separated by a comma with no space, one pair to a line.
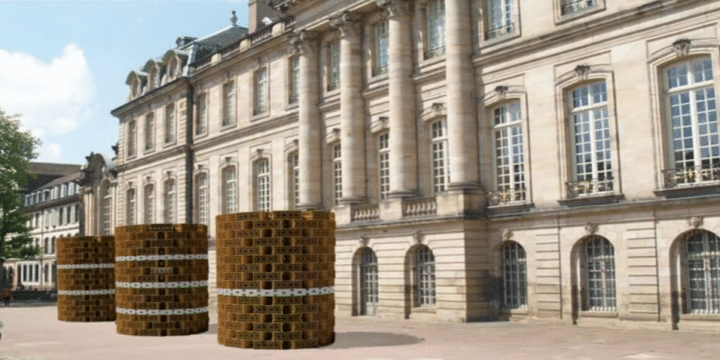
148,151
561,19
697,189
511,207
596,199
523,311
200,136
170,144
329,93
229,126
599,314
431,61
292,106
379,77
260,116
424,310
700,317
501,39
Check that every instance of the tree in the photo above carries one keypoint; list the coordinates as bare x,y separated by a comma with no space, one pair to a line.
16,150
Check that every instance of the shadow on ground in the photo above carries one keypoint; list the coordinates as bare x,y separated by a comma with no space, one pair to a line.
212,329
349,340
20,304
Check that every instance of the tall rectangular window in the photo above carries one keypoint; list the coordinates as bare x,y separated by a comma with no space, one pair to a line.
294,79
439,148
67,215
261,91
201,118
384,165
229,104
435,29
590,120
334,74
131,207
693,122
509,152
61,216
229,190
106,212
149,132
170,201
337,173
203,199
149,204
295,181
501,18
382,46
170,124
131,136
77,213
262,194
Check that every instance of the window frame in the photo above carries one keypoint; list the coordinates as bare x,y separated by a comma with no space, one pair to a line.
518,289
294,183
262,202
170,200
106,213
229,194
131,201
608,283
149,132
229,97
261,92
510,27
170,125
333,65
509,198
149,203
336,166
383,165
201,115
443,139
439,51
377,54
572,79
707,257
425,261
202,198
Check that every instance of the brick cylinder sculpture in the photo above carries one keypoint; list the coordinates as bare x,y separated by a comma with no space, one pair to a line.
276,272
162,279
86,278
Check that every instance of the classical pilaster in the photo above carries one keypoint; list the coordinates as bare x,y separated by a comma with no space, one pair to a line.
352,113
460,79
403,146
309,119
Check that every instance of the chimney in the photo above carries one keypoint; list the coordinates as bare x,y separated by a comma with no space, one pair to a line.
259,9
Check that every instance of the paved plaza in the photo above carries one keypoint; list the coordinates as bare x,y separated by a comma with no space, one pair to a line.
33,332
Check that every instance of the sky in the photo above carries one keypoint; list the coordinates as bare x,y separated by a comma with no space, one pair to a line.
63,64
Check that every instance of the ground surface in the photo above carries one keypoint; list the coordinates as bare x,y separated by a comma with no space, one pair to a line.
33,332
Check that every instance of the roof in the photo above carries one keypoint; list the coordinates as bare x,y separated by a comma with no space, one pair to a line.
43,168
61,180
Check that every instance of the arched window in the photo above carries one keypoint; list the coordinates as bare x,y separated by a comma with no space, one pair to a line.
425,277
203,199
514,270
106,211
229,190
369,282
599,262
703,273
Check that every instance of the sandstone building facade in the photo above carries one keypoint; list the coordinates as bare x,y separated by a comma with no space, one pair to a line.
486,159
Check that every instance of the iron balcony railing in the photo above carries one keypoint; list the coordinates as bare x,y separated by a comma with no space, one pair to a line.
506,196
582,188
576,6
433,53
679,177
500,31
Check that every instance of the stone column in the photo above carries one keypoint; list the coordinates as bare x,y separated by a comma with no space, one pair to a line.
460,80
309,118
403,146
352,112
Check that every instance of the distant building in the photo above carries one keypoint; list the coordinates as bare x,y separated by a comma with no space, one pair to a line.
52,200
485,160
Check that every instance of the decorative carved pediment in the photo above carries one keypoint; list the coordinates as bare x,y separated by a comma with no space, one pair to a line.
695,222
682,47
506,234
582,71
591,228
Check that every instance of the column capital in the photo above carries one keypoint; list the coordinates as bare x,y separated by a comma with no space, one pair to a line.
347,23
396,8
305,41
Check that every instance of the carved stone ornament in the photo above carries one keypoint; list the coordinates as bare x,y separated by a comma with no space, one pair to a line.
418,237
695,222
506,234
682,47
582,71
147,179
305,41
591,228
396,7
501,91
364,241
347,23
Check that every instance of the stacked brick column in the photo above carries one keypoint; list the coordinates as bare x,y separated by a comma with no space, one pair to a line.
86,278
276,273
161,273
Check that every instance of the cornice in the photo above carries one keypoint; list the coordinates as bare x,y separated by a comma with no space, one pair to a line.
53,203
148,97
155,157
567,34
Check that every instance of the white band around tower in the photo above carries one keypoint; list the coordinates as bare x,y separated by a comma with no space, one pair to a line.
276,292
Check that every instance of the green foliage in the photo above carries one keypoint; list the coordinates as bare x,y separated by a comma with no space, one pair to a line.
16,150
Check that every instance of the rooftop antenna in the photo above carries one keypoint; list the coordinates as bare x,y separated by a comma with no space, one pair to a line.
234,19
